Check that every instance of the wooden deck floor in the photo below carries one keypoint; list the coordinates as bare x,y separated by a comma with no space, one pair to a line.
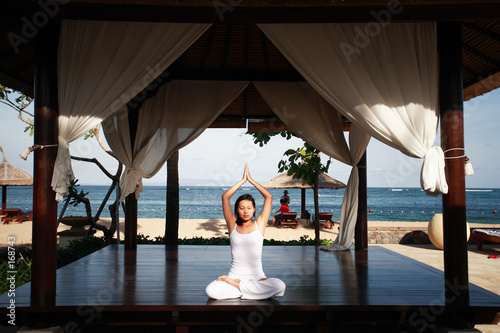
166,285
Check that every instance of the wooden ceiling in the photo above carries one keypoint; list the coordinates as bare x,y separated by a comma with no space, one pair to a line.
234,48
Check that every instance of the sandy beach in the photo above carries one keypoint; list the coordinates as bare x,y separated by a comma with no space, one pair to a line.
189,228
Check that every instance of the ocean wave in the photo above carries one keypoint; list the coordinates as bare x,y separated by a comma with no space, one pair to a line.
478,190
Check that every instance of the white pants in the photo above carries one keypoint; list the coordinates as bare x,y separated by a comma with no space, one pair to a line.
249,289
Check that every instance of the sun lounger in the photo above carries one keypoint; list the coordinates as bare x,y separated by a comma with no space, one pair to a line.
492,235
16,214
325,219
289,219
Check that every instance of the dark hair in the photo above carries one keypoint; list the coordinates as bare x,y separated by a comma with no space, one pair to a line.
237,203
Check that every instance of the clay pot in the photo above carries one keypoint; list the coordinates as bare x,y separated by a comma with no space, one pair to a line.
435,231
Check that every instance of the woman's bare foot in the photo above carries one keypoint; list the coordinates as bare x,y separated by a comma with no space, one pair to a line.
234,282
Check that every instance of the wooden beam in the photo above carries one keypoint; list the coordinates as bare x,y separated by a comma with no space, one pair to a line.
267,125
228,123
361,229
452,142
44,239
263,12
485,85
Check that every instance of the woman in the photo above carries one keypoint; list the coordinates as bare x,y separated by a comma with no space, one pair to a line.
246,279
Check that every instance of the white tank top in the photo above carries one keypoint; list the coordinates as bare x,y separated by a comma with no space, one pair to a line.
246,255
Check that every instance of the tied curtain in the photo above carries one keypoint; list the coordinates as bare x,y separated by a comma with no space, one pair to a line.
178,113
311,117
382,77
102,66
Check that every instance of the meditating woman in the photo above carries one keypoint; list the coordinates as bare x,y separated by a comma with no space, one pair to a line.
246,279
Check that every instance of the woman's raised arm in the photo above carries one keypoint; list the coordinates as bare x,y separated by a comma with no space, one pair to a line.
226,204
263,217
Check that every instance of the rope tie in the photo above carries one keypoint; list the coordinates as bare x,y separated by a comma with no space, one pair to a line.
469,171
453,157
24,154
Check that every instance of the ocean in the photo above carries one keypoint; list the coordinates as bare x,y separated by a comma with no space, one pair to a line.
386,204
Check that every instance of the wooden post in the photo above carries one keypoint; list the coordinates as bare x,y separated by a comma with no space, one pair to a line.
130,222
452,143
303,203
361,229
4,197
172,216
44,239
130,232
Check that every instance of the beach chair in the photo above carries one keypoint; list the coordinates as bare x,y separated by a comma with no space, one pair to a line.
288,219
325,219
16,214
491,235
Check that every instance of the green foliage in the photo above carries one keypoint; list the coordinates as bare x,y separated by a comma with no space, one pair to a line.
204,241
302,162
305,163
89,135
304,240
30,129
22,267
22,275
19,103
74,196
79,248
262,138
21,251
144,239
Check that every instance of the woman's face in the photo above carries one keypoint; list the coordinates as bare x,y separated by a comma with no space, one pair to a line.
246,210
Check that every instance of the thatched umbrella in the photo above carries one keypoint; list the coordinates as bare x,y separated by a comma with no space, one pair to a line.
285,181
11,176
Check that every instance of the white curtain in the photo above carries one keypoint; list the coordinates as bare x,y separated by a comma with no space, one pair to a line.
103,65
383,78
311,117
308,115
358,140
178,113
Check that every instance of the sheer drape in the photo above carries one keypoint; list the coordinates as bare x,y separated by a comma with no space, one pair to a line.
311,117
358,140
383,78
103,65
178,113
308,115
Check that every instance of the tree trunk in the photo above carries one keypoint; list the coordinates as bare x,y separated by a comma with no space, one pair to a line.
316,213
172,218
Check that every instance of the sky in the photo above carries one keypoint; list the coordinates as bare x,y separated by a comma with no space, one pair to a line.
217,156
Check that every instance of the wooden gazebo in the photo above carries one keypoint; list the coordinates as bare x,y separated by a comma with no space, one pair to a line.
233,48
11,175
283,180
